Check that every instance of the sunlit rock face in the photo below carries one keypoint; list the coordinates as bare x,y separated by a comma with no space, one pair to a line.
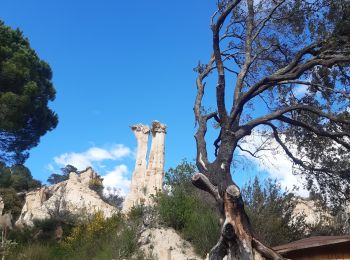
308,208
147,180
1,205
70,198
311,212
165,243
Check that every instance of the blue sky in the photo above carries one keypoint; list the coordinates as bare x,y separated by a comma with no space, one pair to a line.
115,63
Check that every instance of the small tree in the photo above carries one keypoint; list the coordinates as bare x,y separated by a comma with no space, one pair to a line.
286,63
113,197
180,175
55,178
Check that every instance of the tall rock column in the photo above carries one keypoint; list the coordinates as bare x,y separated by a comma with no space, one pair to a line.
147,179
155,169
136,193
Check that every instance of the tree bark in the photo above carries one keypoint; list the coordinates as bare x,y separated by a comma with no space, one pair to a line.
237,240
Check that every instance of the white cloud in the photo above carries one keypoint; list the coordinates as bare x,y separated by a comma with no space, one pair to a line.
120,151
92,155
98,154
50,167
117,179
274,161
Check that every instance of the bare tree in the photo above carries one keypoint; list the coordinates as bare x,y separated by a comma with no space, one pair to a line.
287,65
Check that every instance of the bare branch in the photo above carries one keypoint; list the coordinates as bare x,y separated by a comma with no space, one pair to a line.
334,136
319,87
220,89
247,151
267,82
200,88
257,149
202,122
202,182
216,144
265,251
230,70
297,161
294,73
248,51
276,114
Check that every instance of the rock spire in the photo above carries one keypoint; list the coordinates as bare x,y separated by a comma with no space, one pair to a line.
147,179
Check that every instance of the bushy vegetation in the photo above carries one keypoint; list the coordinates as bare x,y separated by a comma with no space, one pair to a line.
270,211
96,185
14,181
188,210
96,238
112,238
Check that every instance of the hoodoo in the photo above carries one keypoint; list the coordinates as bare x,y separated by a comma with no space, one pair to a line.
147,180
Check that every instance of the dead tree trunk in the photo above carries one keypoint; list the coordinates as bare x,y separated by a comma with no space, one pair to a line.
237,240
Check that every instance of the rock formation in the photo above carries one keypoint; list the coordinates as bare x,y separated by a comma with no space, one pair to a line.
70,198
165,243
147,179
312,213
308,208
1,205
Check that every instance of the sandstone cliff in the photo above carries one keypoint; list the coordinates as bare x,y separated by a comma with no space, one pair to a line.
147,179
309,209
72,197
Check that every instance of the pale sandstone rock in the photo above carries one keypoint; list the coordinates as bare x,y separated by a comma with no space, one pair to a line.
312,213
155,169
72,196
147,179
1,205
166,244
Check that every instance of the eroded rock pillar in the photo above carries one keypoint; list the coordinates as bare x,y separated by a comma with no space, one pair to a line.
155,169
136,193
147,180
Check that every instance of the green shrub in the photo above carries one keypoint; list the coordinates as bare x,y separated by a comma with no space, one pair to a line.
21,236
135,214
96,185
188,214
202,229
99,238
175,210
47,226
270,211
189,210
12,201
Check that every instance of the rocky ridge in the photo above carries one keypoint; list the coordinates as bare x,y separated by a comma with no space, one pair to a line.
72,197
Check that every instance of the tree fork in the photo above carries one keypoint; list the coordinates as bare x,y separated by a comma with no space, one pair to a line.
237,240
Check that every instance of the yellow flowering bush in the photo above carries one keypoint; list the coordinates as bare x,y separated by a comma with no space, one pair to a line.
94,228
